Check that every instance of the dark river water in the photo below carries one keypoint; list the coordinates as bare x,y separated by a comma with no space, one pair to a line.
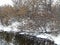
22,39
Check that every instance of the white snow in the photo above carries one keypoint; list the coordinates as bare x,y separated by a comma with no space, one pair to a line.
13,28
11,44
56,39
22,33
47,36
6,2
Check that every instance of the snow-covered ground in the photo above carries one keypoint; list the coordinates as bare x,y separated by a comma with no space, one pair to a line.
13,28
56,39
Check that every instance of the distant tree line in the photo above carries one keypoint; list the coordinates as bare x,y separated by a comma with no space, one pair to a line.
40,12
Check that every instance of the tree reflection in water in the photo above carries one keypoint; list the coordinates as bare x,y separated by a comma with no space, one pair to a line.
22,39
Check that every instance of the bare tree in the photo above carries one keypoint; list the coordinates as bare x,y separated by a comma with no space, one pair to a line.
38,10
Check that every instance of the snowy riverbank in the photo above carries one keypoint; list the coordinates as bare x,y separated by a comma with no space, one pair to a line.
13,28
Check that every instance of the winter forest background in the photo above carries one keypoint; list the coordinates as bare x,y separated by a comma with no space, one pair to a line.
33,17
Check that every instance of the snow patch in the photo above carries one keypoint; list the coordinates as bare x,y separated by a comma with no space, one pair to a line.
12,27
56,39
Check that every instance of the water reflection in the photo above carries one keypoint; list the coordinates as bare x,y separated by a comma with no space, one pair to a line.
22,39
